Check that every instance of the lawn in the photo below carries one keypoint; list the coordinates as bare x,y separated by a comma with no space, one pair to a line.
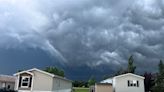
81,89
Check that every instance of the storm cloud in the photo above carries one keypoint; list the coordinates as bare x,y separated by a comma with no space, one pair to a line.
86,32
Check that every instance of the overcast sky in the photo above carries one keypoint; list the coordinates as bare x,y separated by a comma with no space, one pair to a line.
75,34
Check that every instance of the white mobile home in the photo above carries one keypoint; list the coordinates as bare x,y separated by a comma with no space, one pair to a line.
35,80
123,83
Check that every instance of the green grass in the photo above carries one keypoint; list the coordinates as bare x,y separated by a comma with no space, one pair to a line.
81,89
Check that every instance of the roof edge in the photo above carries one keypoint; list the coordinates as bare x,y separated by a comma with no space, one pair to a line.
130,74
23,72
35,69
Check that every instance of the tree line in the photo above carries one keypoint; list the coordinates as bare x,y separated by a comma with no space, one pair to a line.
154,82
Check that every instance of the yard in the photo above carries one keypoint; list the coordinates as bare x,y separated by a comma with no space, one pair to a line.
75,89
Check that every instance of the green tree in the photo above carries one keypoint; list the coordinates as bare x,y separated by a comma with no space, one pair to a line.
161,68
159,82
91,81
80,84
131,67
55,70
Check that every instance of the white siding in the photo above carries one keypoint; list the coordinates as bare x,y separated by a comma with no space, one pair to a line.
60,85
12,85
42,82
0,85
121,84
16,83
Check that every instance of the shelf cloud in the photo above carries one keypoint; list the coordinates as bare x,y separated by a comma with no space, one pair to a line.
86,32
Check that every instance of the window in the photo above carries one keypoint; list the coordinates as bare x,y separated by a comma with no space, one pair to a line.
25,81
133,83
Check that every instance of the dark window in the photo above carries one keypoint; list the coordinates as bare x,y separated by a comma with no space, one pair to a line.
133,83
137,83
128,83
24,84
25,81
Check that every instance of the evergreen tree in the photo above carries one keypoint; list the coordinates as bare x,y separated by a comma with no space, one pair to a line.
159,83
131,67
161,68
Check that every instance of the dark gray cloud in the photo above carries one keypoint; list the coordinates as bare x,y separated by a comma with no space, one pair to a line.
86,32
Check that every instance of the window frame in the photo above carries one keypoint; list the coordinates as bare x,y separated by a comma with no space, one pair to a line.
28,82
133,83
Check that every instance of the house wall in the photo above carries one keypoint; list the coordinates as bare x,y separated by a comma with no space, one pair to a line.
92,88
121,84
1,85
11,84
103,88
16,83
60,85
42,82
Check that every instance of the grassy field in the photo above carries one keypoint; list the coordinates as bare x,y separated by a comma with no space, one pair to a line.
81,89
